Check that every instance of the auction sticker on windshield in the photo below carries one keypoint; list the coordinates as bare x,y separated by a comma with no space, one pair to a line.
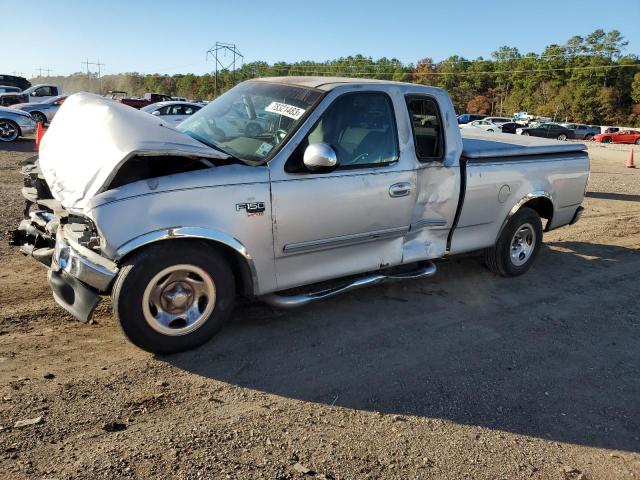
286,110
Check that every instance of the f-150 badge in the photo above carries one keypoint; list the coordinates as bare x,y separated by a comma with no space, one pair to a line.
252,208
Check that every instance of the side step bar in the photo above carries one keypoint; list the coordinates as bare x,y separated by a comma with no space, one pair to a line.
426,269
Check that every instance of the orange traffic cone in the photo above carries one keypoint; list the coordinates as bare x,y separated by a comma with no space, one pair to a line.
630,159
39,134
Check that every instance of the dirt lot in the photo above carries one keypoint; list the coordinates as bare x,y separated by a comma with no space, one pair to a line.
465,375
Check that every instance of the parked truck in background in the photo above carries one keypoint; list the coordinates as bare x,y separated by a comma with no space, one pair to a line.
147,99
14,81
36,93
348,186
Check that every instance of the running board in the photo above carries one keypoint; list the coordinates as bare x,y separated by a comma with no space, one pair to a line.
427,269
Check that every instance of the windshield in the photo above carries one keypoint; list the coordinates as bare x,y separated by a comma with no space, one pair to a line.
150,108
252,120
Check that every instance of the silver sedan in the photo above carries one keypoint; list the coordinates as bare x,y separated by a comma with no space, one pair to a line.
174,111
15,123
42,112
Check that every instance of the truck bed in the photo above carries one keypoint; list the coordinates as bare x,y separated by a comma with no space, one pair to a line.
479,145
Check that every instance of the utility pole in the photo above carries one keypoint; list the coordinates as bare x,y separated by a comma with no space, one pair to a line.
40,70
99,66
221,49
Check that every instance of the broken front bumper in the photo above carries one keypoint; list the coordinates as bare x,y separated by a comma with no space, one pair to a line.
77,275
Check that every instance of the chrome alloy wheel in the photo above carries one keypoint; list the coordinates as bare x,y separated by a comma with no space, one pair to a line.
522,244
8,131
179,299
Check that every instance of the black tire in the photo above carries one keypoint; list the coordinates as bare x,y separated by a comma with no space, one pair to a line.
39,118
638,141
9,131
526,134
562,137
588,138
606,140
139,272
498,258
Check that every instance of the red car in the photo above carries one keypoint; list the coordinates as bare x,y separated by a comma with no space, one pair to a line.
621,136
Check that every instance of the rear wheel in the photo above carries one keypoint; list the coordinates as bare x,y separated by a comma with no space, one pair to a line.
39,118
526,134
9,131
588,138
638,141
173,296
562,137
517,246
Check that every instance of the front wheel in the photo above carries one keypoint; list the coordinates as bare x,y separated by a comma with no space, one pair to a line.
517,246
173,296
562,137
526,134
606,140
9,131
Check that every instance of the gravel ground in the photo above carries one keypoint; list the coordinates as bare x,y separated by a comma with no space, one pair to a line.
465,375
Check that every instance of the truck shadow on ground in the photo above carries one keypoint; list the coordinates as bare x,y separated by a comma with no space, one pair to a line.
625,197
553,354
20,145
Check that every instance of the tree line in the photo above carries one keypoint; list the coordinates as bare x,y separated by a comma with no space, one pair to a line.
589,79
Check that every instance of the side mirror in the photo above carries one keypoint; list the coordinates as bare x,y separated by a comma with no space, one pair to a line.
319,156
156,113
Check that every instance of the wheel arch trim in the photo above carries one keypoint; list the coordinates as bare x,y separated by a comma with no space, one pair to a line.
538,194
200,233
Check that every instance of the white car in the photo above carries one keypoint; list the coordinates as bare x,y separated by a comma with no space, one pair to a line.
174,111
497,120
482,125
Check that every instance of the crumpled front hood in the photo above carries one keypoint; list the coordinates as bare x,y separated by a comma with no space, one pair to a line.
91,137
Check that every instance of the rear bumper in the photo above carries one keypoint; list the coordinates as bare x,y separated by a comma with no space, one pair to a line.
577,215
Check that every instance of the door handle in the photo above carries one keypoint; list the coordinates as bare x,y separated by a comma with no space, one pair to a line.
401,189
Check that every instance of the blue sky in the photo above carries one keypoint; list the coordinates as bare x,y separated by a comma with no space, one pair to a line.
172,37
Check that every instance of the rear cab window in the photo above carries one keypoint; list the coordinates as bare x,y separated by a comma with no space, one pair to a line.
426,123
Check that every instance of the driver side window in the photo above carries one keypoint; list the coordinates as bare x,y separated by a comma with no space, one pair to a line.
361,129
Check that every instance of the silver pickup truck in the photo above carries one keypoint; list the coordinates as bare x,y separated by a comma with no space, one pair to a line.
347,183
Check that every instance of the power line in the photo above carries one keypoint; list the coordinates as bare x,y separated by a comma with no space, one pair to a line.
176,66
86,63
41,69
492,72
224,48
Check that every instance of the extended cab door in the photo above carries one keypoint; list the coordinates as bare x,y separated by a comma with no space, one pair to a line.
351,219
43,93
